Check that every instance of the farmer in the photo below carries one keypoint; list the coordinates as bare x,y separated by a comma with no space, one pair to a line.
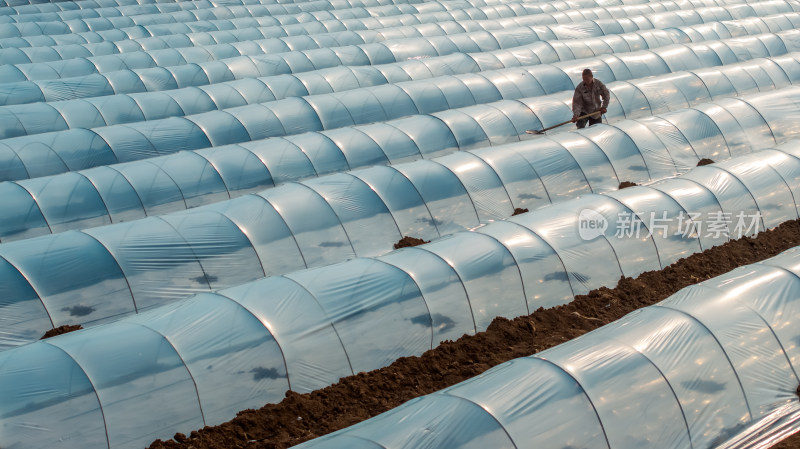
586,100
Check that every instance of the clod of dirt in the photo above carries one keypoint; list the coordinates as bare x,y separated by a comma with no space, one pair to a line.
518,211
61,330
406,241
626,184
797,391
704,162
301,417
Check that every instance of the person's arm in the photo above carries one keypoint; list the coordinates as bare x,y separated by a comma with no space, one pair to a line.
606,96
577,104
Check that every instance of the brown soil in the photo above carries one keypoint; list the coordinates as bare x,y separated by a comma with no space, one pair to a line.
793,442
61,330
704,161
626,184
518,211
405,242
301,417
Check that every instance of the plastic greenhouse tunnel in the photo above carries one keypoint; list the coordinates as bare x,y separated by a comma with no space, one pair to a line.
709,366
216,191
128,267
452,78
176,49
128,191
129,71
156,79
306,329
205,125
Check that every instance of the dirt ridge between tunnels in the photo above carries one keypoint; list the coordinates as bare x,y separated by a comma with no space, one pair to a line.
301,417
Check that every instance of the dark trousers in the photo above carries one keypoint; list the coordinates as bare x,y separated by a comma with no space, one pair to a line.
592,121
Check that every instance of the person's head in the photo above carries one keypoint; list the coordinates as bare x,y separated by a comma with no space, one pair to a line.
587,76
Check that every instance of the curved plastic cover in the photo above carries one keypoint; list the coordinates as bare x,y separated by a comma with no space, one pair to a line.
227,200
712,363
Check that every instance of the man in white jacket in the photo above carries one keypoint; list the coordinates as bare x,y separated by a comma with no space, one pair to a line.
587,99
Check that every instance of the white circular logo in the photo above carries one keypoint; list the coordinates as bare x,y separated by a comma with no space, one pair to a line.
591,224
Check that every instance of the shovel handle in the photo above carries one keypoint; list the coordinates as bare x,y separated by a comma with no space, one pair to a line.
530,131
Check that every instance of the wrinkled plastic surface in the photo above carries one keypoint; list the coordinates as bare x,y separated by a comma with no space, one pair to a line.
306,329
247,117
712,364
667,143
338,132
362,213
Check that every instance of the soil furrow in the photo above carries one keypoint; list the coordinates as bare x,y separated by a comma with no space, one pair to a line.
301,417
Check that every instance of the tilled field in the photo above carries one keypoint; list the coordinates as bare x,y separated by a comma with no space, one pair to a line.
301,417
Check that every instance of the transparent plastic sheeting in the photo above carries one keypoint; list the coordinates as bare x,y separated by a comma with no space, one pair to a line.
134,39
140,40
216,14
276,39
376,52
200,74
257,17
26,6
457,80
198,361
134,190
111,18
694,370
294,54
102,273
59,11
311,10
76,10
67,10
769,430
286,76
80,148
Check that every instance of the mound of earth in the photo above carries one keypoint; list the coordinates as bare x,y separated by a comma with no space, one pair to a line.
406,241
61,330
518,211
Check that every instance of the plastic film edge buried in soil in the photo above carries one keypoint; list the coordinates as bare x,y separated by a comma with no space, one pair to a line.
222,352
690,371
133,266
